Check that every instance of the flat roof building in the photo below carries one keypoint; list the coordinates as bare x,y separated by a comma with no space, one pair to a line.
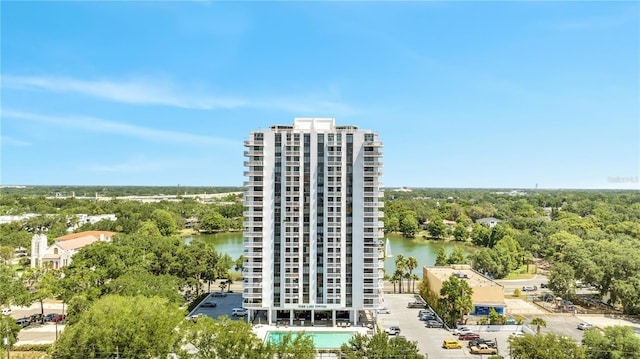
313,228
486,292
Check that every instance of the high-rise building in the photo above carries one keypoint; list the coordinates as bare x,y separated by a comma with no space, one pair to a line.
313,230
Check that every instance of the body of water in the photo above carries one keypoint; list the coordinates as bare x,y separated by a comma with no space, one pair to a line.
423,250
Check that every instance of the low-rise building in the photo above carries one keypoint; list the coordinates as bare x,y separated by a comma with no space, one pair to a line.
489,221
487,293
59,254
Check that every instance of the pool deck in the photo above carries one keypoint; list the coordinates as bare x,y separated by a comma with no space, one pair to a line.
261,330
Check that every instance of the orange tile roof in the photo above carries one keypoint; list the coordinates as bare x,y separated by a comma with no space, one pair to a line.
77,242
84,234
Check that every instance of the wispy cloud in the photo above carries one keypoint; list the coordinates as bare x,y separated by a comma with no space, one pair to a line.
8,141
145,92
130,91
98,125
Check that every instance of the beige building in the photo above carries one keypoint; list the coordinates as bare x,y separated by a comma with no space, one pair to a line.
486,292
59,254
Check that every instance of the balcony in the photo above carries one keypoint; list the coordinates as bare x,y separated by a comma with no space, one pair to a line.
253,173
377,163
253,183
253,203
251,295
252,163
252,153
252,244
254,285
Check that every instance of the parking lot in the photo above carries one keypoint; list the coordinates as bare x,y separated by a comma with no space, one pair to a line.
429,340
224,305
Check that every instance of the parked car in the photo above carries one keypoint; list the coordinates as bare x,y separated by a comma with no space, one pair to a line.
434,324
516,335
219,294
58,318
239,312
483,349
488,342
384,310
461,330
529,288
424,312
34,318
416,305
427,316
195,317
48,317
468,336
393,330
209,304
451,344
23,322
544,285
584,326
6,311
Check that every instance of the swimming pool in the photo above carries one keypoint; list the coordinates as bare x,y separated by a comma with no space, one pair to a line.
321,340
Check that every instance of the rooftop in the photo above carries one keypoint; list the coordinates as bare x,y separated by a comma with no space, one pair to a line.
465,272
77,242
84,234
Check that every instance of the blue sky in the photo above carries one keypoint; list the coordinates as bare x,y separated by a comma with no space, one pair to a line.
463,94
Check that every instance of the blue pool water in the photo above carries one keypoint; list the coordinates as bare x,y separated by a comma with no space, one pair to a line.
322,340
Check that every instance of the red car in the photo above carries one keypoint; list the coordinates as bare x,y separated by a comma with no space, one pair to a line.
468,336
59,318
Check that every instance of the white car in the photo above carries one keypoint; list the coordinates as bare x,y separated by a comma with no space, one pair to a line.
6,311
239,312
584,326
516,335
393,330
461,330
384,310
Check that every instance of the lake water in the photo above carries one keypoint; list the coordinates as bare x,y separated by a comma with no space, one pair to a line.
423,250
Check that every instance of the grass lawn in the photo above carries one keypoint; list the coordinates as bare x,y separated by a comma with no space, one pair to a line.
523,273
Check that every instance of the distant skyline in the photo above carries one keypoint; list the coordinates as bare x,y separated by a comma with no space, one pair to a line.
463,94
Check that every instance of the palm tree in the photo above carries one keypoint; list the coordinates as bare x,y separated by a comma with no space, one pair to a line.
401,265
411,264
538,322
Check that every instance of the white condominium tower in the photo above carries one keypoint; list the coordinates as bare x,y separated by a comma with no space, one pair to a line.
313,224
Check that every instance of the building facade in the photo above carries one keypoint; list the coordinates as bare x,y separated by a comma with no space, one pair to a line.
313,228
487,293
60,253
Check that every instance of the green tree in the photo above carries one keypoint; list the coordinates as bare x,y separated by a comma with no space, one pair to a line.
379,346
213,222
149,229
411,264
12,292
441,259
409,225
401,265
457,256
127,327
616,342
562,280
42,283
538,322
221,338
545,346
460,232
455,299
496,318
436,227
165,222
141,282
291,346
